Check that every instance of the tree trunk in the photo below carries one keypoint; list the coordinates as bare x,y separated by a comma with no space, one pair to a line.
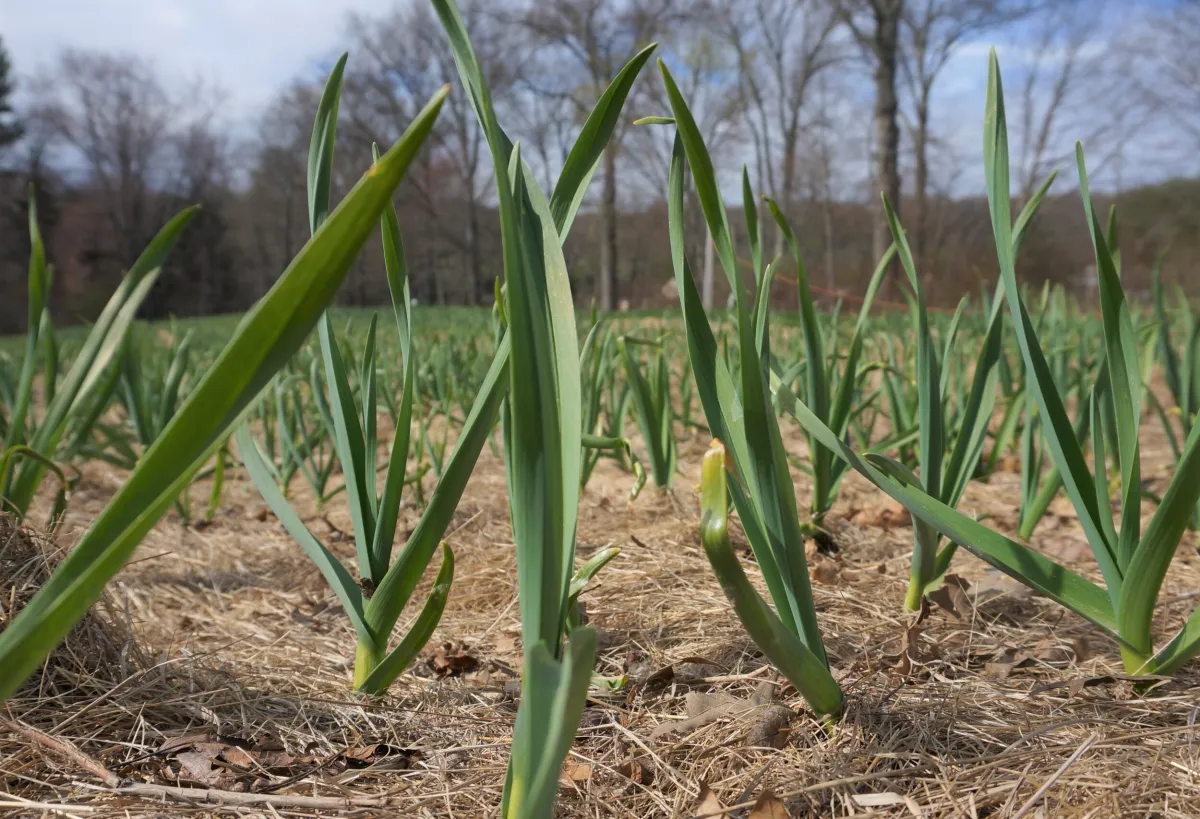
608,242
479,287
887,128
827,217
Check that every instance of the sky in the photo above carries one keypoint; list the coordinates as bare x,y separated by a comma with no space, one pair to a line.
249,49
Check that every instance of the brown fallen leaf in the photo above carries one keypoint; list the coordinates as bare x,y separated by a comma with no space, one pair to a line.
636,771
574,771
243,763
1003,665
212,763
182,743
1051,653
912,653
952,597
1007,660
825,572
239,757
770,728
768,806
451,661
360,756
707,803
506,643
197,766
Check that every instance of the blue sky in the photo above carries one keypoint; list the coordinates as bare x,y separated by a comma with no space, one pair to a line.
251,48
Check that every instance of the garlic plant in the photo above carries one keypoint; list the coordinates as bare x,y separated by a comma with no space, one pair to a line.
1132,562
264,340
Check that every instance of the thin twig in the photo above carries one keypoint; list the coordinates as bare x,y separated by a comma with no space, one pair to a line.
1062,769
65,748
7,800
216,796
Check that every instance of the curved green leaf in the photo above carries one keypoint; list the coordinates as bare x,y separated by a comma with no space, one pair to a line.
804,669
393,592
1019,562
552,701
1060,437
585,153
320,149
335,574
418,634
263,342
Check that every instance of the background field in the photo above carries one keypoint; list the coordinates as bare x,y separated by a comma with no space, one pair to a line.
990,703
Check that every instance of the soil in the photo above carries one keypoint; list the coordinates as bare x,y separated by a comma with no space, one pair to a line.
223,667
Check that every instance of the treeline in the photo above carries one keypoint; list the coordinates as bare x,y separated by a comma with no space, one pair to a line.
825,103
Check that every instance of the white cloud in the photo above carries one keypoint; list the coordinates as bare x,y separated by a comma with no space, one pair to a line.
247,48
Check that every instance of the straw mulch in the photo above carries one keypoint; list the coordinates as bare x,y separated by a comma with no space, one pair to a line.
214,680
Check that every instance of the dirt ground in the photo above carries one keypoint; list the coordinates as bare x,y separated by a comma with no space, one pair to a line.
220,662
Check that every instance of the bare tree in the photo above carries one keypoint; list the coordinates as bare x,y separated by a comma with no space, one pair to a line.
782,46
547,124
1066,67
112,113
584,44
1164,53
931,33
271,215
823,162
875,26
705,68
204,279
142,153
398,60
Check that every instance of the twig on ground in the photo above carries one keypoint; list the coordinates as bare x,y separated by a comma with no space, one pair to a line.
216,796
64,748
1071,760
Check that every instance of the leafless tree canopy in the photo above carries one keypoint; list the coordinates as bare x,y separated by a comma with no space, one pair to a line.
825,104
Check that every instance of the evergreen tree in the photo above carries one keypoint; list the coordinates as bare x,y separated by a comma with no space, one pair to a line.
10,127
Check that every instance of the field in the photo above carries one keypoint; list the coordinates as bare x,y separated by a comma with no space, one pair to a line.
221,660
955,581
